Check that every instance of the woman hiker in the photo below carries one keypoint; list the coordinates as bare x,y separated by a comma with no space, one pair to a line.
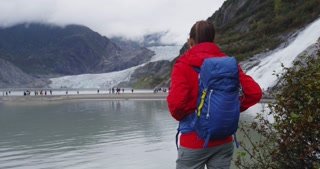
183,95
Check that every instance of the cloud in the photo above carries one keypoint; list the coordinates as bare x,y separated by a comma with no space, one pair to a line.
128,18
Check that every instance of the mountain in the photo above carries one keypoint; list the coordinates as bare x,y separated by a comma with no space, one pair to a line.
47,50
39,50
246,28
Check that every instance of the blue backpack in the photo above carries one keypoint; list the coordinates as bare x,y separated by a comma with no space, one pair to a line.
218,107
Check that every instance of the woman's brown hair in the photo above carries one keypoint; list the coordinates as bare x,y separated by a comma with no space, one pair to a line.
202,31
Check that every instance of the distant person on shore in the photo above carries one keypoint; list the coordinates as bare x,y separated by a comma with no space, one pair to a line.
6,93
66,92
194,152
132,90
98,91
50,92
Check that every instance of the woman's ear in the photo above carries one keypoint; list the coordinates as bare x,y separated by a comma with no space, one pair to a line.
191,42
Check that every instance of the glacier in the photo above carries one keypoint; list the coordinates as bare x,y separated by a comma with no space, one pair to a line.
112,79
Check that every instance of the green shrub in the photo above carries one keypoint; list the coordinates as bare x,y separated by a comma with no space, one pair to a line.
293,139
297,117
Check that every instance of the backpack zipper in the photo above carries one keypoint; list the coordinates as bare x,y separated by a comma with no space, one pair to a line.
208,112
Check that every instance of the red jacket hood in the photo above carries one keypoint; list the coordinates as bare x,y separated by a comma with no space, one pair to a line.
196,55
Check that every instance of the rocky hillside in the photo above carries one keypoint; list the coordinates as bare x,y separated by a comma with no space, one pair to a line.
149,76
11,76
245,28
248,27
39,49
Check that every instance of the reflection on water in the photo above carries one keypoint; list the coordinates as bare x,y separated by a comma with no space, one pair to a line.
87,134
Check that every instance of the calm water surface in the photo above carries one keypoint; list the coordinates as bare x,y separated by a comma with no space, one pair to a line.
88,134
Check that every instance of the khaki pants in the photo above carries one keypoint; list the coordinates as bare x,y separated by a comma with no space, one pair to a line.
214,158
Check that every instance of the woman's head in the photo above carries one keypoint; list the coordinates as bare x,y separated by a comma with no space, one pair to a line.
201,31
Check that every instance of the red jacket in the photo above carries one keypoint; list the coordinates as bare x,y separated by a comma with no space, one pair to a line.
183,93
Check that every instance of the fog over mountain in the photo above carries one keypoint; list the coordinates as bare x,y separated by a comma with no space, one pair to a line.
125,18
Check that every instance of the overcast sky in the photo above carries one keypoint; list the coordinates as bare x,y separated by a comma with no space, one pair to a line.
127,18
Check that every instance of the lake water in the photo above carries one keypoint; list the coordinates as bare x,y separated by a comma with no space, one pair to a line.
89,134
